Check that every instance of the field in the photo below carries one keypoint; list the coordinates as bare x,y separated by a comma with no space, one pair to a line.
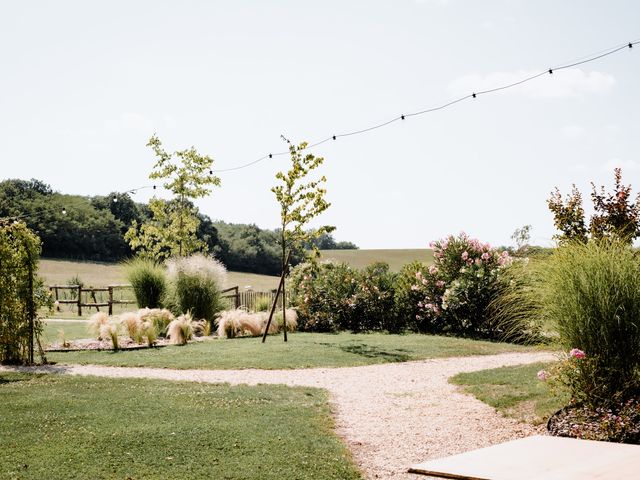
396,258
55,426
303,350
101,274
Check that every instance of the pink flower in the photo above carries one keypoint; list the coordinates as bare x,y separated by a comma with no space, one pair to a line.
418,275
432,244
440,283
543,375
486,256
465,255
433,270
577,353
478,262
415,287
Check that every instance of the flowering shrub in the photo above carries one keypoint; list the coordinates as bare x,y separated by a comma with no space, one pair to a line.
333,296
459,286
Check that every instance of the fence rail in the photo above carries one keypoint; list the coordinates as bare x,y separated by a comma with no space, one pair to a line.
76,293
79,296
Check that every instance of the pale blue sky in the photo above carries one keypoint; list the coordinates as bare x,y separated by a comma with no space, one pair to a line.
84,85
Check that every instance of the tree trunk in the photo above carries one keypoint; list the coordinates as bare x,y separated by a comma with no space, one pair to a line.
284,300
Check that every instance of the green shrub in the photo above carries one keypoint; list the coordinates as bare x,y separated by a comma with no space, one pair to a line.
149,282
459,287
263,304
407,297
195,284
19,254
591,293
371,306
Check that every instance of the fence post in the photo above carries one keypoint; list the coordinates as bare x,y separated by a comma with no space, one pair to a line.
79,300
237,289
110,299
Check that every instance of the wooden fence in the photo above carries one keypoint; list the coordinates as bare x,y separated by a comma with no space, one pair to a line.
106,297
79,296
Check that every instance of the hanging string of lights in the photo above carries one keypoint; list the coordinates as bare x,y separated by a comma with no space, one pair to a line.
473,95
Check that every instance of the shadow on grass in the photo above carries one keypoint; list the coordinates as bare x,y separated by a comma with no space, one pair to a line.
369,351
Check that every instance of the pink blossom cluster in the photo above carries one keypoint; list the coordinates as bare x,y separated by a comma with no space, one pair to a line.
577,354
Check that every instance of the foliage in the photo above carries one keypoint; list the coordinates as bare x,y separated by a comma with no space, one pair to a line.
325,241
149,281
300,203
171,230
407,298
180,330
19,254
195,284
616,215
159,318
459,286
521,237
591,293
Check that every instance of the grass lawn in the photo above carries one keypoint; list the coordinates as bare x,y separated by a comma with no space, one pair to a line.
53,331
396,258
304,350
514,391
87,427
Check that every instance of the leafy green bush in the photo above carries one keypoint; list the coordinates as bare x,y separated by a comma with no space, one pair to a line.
459,287
591,293
19,253
407,298
333,296
149,282
195,284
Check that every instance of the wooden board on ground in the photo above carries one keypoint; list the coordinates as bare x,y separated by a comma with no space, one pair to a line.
540,457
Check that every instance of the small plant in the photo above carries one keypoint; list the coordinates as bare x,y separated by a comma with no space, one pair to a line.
133,326
75,281
148,330
62,339
180,330
96,322
148,280
109,331
233,323
161,318
264,304
292,321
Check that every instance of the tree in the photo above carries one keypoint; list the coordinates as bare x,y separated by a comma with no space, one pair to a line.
616,215
172,228
299,204
521,237
568,216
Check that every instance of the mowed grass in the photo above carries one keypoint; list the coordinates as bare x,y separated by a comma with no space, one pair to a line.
514,391
102,274
55,426
55,331
396,258
303,350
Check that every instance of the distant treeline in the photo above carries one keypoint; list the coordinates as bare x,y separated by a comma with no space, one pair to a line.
92,228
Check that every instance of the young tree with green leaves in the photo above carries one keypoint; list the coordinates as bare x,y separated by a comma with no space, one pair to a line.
173,225
300,203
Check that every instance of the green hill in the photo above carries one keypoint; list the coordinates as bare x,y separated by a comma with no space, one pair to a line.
396,258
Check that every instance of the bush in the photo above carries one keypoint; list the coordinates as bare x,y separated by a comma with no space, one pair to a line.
148,280
591,293
195,284
459,287
19,254
406,309
333,296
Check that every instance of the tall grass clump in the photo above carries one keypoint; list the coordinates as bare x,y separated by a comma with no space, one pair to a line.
148,280
195,284
180,330
159,318
591,293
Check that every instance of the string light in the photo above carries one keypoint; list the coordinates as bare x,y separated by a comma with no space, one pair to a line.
549,71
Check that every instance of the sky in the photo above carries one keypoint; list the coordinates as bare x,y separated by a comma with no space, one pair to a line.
84,85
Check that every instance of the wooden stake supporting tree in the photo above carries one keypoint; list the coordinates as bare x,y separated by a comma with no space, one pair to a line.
300,203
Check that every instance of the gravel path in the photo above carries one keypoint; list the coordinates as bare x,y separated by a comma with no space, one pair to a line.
391,416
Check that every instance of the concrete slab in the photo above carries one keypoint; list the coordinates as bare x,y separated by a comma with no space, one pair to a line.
540,457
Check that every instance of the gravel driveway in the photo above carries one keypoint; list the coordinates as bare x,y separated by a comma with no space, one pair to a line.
391,416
